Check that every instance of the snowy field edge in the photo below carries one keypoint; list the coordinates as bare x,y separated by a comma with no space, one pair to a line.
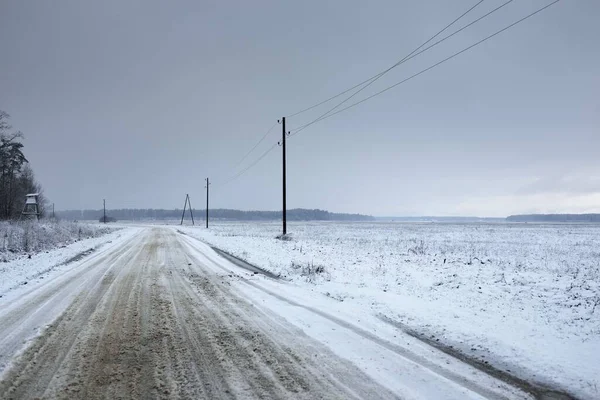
32,250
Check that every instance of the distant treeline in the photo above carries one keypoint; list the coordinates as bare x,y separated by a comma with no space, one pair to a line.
297,214
554,218
441,219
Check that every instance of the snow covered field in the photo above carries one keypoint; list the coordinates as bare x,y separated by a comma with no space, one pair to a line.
30,249
523,297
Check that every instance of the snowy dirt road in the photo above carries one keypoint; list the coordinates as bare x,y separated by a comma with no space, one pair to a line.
155,316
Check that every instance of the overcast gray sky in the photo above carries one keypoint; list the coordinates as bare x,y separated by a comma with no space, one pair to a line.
138,101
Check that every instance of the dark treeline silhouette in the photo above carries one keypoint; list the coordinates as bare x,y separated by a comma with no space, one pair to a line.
554,218
298,214
16,176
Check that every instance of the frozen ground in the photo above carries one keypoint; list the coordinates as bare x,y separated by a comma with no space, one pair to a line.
158,314
29,250
522,297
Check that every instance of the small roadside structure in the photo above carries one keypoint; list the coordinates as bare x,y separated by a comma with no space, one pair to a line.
32,207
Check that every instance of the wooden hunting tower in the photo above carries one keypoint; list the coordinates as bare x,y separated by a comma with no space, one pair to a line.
32,207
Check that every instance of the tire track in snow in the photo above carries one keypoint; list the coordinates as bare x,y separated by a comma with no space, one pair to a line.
23,317
493,389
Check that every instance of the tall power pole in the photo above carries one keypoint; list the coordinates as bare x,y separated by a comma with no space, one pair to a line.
104,201
207,185
283,134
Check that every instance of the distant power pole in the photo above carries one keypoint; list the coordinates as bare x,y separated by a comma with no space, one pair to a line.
53,216
104,200
283,135
183,213
207,185
187,202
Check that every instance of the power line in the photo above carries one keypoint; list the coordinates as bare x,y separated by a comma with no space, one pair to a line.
399,62
256,145
331,98
298,130
410,57
240,173
246,156
374,78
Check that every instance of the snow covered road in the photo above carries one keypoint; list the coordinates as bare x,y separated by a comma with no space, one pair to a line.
160,315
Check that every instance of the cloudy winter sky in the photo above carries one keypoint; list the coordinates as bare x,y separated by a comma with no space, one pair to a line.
138,101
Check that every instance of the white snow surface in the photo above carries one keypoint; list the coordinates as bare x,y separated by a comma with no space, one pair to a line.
406,366
524,297
29,251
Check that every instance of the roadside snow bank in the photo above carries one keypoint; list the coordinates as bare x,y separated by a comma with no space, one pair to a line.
30,249
523,297
29,237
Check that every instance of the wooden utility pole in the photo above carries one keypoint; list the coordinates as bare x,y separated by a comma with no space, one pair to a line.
104,201
53,216
191,212
283,135
183,213
207,185
187,201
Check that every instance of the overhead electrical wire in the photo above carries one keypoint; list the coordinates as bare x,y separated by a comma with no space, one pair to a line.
413,54
372,79
331,98
398,63
249,152
256,145
240,173
409,57
298,130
